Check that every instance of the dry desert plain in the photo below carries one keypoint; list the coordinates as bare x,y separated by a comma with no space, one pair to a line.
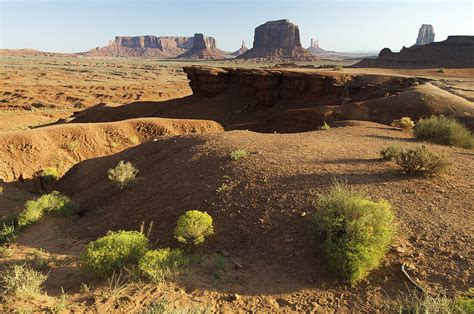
83,115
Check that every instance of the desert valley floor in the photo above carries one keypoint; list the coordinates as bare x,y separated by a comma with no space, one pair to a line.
84,115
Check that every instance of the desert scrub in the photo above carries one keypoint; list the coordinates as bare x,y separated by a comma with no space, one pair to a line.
354,232
390,152
405,123
115,250
338,68
194,226
325,126
7,233
54,202
50,174
22,281
123,174
444,130
237,154
421,160
157,265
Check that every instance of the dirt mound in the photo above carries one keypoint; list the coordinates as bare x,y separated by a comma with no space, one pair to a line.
263,219
61,146
296,100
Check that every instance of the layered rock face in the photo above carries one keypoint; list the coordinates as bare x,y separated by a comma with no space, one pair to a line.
295,101
454,52
242,50
203,48
278,40
426,35
144,46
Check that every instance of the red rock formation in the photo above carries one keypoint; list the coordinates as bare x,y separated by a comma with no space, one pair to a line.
316,50
242,50
203,48
426,35
277,40
454,52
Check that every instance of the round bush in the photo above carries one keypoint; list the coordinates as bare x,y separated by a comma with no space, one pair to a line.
159,264
444,130
50,174
194,226
113,251
354,232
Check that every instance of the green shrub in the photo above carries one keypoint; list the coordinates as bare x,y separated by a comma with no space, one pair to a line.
22,281
123,174
113,251
50,174
157,265
7,233
237,154
325,126
421,160
405,123
194,226
443,130
355,232
54,202
390,152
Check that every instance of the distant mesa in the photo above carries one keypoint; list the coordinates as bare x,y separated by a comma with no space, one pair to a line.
278,40
426,35
242,50
454,52
203,48
316,50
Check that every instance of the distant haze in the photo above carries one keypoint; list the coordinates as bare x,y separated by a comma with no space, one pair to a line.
79,25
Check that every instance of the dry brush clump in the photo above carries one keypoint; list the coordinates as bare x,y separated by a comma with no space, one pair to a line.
390,152
354,232
444,130
237,154
20,280
123,175
405,123
422,160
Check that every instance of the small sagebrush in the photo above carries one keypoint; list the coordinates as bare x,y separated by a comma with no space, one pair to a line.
444,130
50,174
421,160
194,226
22,281
123,174
390,152
54,202
237,154
112,252
325,126
354,232
7,233
405,123
157,265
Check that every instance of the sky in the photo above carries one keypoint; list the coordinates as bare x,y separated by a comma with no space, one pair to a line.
79,25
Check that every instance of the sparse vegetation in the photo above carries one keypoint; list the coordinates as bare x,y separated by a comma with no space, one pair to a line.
20,280
237,154
50,174
405,123
354,231
390,152
135,140
194,226
112,252
224,188
157,265
444,130
123,174
54,202
421,160
39,260
73,145
325,126
338,68
7,233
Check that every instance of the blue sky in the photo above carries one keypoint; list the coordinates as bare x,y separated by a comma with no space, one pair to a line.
78,25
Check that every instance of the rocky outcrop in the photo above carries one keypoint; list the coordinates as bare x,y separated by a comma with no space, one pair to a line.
144,46
242,50
203,48
294,100
277,40
454,52
316,50
426,35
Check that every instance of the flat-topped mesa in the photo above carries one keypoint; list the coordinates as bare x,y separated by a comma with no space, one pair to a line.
277,40
144,46
426,35
454,52
203,48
